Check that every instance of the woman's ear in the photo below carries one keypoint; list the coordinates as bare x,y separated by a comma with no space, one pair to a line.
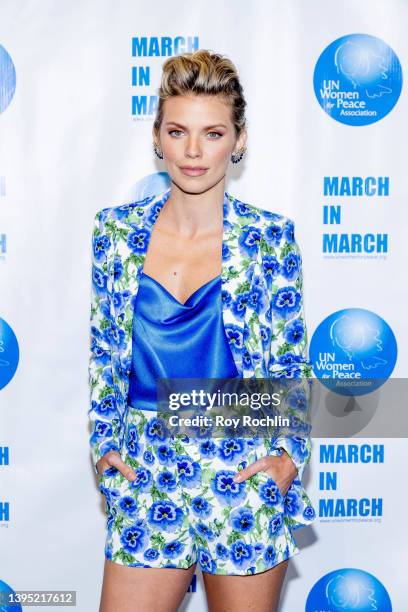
241,140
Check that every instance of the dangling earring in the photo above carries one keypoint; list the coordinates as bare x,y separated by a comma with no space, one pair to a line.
236,157
158,151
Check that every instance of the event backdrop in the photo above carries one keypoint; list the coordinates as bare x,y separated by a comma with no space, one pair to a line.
327,121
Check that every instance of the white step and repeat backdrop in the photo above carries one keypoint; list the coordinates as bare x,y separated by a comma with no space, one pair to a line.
327,120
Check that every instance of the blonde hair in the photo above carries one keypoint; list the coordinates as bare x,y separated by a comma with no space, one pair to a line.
202,72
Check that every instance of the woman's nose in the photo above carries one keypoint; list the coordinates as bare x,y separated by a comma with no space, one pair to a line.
193,148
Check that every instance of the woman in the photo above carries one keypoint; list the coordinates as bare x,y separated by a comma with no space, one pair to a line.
194,283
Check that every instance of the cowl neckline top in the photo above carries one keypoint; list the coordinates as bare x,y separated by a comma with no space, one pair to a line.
176,340
190,298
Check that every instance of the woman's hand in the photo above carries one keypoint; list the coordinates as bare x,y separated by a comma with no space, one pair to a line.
113,459
283,473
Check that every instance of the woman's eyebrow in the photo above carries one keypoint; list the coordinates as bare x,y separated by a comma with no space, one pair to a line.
205,128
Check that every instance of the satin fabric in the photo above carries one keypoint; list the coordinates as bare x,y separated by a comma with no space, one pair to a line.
175,340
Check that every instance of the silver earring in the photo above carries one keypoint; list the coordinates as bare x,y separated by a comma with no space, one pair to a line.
236,157
157,151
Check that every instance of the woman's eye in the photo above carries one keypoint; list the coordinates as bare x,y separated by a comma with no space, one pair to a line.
217,134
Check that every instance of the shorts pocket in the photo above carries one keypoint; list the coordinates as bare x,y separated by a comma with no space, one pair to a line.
268,490
267,485
110,471
113,485
268,476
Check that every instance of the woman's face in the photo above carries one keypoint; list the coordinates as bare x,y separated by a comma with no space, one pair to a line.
197,132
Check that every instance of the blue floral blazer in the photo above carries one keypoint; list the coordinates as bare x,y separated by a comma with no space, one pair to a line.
261,300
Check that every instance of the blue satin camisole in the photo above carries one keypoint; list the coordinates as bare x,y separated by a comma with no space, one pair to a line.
175,340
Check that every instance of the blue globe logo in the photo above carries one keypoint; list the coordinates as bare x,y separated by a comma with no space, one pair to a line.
149,185
7,594
353,351
346,590
357,79
7,79
9,353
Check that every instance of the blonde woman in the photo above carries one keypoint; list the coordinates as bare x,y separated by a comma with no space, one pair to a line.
194,283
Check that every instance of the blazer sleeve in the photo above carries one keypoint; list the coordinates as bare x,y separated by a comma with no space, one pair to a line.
103,413
288,356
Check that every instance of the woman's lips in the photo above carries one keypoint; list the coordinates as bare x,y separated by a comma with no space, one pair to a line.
193,171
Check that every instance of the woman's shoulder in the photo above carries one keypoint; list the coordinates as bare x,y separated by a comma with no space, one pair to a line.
259,215
277,230
124,209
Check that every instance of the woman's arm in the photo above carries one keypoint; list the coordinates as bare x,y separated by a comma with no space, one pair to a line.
103,413
289,342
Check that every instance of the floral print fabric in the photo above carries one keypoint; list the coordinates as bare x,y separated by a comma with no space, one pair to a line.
183,507
263,315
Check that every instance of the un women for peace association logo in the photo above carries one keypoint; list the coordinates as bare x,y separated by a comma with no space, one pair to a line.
9,354
353,351
357,79
346,590
7,79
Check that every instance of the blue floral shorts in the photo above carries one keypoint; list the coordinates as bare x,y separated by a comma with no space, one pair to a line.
183,507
